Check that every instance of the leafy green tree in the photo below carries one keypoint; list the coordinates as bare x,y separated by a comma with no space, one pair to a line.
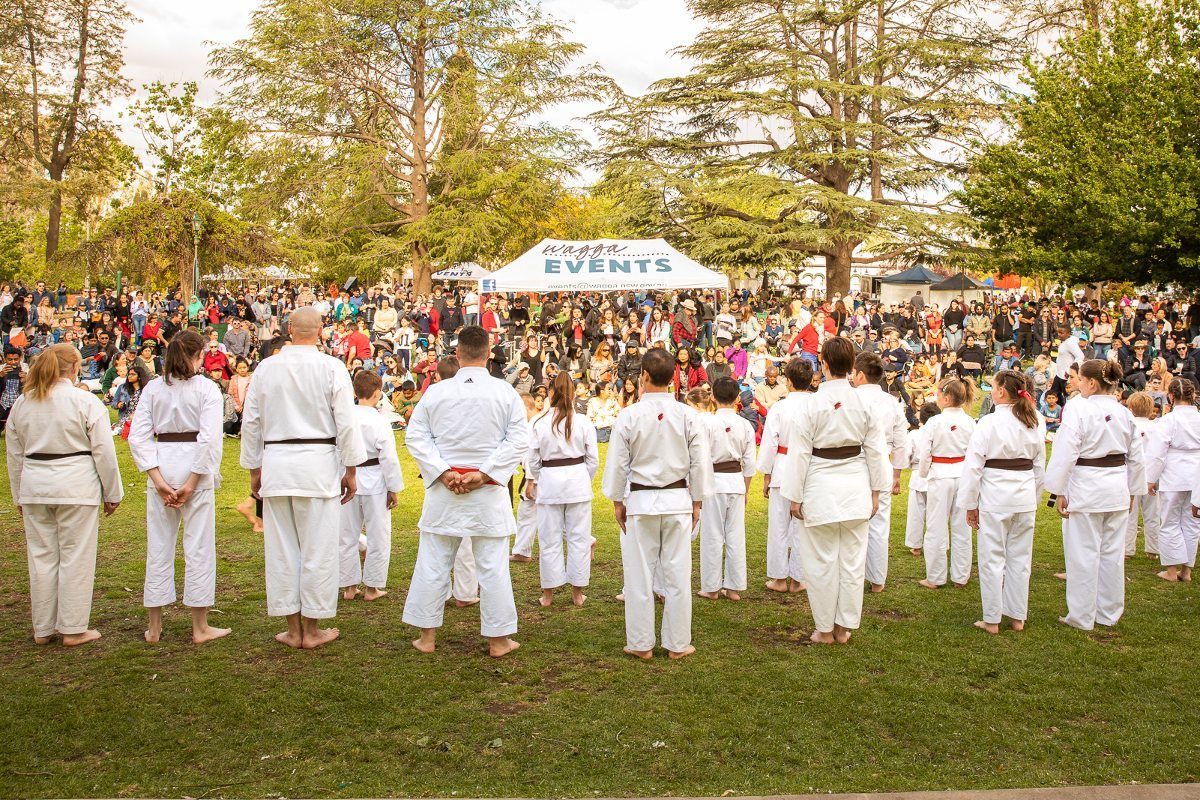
167,118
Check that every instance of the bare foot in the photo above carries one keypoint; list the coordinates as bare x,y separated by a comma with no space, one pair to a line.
876,588
350,592
1169,575
151,636
520,559
987,626
777,585
1062,576
675,656
795,586
1066,622
373,594
708,595
821,638
960,585
578,598
916,551
1017,625
322,637
76,639
843,636
732,595
1185,575
466,603
499,648
546,599
644,655
290,639
43,639
208,634
926,583
257,527
621,597
662,598
246,509
425,644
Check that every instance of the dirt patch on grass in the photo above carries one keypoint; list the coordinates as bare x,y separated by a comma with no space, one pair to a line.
782,636
892,614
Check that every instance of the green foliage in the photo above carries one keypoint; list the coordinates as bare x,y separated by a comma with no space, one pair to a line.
167,118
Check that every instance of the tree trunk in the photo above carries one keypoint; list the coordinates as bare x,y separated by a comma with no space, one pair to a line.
54,218
422,271
837,269
422,274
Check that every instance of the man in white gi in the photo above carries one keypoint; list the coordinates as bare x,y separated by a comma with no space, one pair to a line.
298,422
468,434
730,441
657,475
867,379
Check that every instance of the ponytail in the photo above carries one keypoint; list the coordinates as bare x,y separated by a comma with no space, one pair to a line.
49,367
1017,386
181,355
562,401
959,391
1105,373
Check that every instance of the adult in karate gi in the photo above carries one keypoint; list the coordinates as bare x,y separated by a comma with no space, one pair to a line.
836,470
464,583
785,570
1000,488
563,459
1172,469
1095,468
940,462
657,476
730,440
379,481
867,379
1141,405
175,439
468,434
301,443
62,469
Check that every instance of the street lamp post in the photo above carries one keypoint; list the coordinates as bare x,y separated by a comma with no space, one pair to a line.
197,229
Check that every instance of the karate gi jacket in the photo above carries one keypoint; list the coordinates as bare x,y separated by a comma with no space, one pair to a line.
1092,427
571,483
777,431
1173,450
730,438
1001,435
179,407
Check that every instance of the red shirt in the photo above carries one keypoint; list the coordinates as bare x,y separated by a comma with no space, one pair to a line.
358,345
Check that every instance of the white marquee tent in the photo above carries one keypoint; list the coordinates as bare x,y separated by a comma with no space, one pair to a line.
467,271
603,265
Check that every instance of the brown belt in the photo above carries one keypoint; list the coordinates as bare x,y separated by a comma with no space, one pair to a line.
727,466
330,440
1013,464
1110,460
187,436
563,462
56,456
370,462
837,453
639,487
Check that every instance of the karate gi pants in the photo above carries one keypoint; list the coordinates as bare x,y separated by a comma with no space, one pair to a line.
300,536
942,512
836,557
723,539
526,528
60,544
879,536
1095,543
426,601
1147,504
651,541
369,511
572,523
1005,561
465,584
783,539
914,522
199,550
1179,530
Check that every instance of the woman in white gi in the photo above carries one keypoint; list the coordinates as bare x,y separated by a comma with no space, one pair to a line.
1141,405
1172,468
837,467
563,459
1000,488
62,467
940,463
1095,468
175,439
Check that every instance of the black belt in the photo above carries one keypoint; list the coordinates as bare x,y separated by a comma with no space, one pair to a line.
727,466
563,462
1013,464
370,462
187,436
331,440
1110,460
56,456
837,453
640,487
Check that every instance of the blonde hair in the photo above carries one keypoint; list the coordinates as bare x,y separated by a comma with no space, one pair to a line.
49,367
700,398
1140,404
958,391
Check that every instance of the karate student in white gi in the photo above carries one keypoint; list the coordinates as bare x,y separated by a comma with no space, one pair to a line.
522,549
62,468
468,434
1172,469
1141,405
867,379
730,439
658,474
1096,467
379,481
301,443
940,463
914,523
1000,488
785,571
175,438
836,470
563,459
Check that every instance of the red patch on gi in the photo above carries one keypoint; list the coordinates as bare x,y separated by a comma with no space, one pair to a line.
1108,418
836,406
660,417
953,427
727,430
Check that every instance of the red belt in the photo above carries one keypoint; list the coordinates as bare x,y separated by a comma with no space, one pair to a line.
782,451
469,470
949,459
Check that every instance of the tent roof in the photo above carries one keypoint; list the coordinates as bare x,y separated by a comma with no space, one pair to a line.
914,275
957,283
467,271
603,265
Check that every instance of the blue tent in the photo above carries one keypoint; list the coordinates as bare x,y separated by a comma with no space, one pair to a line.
912,275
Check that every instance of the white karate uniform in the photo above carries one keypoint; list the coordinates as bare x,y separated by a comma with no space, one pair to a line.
836,498
564,498
914,522
368,508
730,437
946,436
1145,504
61,499
193,405
895,428
301,393
1098,504
526,517
656,442
783,530
1007,502
1173,462
471,421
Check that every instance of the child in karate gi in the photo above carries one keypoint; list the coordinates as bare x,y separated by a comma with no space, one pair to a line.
522,549
940,463
723,517
1141,405
914,528
1172,466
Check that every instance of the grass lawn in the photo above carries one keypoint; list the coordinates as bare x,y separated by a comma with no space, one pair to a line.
919,700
